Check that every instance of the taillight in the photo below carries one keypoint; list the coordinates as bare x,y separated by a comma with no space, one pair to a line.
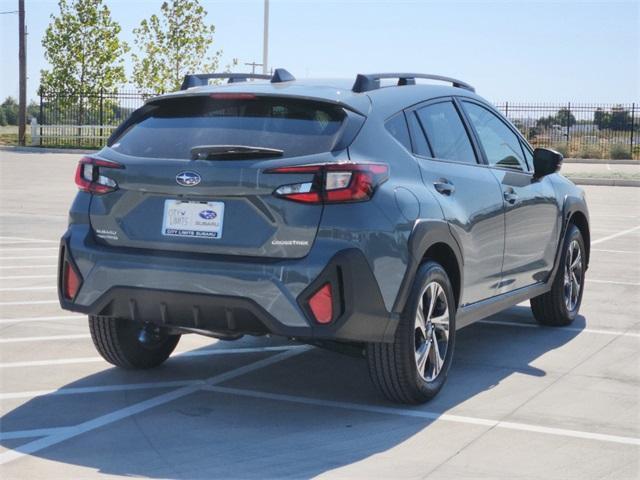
89,177
333,182
70,281
321,304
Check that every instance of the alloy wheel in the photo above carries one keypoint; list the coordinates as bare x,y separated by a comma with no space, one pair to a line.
573,275
431,331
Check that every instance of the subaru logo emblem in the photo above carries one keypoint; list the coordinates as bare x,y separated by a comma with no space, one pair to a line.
208,214
188,179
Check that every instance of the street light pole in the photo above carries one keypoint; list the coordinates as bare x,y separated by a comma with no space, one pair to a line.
22,59
265,39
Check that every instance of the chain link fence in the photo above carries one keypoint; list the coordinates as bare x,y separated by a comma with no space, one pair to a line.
578,130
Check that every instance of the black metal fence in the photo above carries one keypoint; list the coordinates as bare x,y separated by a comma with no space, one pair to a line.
578,130
82,119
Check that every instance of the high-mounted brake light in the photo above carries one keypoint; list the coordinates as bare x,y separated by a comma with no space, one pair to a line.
89,176
333,182
232,96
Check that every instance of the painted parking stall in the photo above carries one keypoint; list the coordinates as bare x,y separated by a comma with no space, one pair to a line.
240,409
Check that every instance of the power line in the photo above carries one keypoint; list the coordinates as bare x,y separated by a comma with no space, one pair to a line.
7,13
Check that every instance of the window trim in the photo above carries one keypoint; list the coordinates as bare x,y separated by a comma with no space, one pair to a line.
413,110
515,131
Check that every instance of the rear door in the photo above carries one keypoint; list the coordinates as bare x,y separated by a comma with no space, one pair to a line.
185,187
531,211
468,193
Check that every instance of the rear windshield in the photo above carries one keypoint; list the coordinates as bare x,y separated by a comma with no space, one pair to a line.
174,126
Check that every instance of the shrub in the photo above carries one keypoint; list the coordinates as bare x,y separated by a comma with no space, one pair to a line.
590,151
620,152
563,148
3,118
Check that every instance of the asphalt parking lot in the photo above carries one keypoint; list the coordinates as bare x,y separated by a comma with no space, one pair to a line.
521,401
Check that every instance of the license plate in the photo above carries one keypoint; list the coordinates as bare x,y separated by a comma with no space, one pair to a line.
193,219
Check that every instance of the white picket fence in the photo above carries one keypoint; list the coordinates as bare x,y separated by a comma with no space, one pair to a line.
90,134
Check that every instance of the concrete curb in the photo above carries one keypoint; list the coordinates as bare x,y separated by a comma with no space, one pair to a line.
602,161
11,148
608,182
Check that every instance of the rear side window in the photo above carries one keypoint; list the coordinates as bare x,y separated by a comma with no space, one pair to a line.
445,132
397,127
174,126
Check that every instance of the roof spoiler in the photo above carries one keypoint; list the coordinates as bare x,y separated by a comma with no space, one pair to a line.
371,81
202,79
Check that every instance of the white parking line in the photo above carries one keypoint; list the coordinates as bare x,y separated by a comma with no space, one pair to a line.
27,249
27,277
613,282
193,353
50,338
126,412
31,240
29,257
29,302
28,289
615,235
5,321
13,267
97,389
615,333
38,432
614,251
415,413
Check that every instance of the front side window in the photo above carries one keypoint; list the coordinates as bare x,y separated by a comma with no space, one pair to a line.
501,146
445,132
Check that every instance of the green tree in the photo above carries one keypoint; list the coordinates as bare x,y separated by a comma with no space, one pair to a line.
173,44
565,118
601,118
3,118
10,109
620,119
86,56
82,46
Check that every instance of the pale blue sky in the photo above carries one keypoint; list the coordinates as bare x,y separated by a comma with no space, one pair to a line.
567,50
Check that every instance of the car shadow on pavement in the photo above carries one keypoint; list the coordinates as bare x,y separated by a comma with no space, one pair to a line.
214,434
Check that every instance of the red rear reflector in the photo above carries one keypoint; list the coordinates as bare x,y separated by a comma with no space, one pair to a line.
321,304
70,282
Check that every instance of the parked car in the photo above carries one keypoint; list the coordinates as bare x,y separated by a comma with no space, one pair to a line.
381,217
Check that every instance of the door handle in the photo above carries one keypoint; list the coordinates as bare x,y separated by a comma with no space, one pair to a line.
510,196
444,186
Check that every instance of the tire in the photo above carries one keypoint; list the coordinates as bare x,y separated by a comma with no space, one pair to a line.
118,341
553,308
393,367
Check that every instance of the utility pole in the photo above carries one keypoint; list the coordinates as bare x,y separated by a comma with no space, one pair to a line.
22,58
265,39
253,66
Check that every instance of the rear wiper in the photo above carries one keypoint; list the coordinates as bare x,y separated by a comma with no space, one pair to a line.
232,152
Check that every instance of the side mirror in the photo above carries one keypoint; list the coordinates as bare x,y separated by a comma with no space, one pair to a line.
546,162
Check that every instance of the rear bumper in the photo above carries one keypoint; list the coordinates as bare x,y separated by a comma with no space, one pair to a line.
225,294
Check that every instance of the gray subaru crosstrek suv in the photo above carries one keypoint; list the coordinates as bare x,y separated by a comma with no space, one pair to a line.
383,216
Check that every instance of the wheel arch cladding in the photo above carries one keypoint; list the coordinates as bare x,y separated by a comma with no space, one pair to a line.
432,240
579,219
443,254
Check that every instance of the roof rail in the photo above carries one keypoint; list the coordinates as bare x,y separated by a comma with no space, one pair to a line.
202,79
371,81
